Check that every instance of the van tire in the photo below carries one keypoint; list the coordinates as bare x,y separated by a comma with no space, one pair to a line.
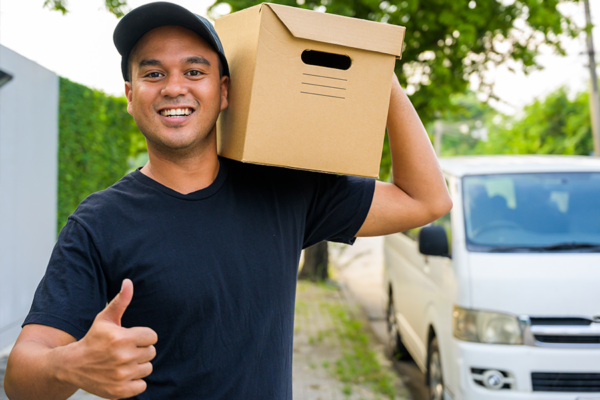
435,378
396,349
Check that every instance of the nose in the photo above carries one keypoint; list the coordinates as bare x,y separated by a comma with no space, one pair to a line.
175,85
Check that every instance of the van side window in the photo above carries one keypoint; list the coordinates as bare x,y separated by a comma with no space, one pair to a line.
446,222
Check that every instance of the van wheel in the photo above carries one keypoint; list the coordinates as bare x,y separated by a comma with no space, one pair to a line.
395,346
434,372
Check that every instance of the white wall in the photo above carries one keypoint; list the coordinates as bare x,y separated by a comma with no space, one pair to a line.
28,184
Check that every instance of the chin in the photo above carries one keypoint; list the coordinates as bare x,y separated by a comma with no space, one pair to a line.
183,145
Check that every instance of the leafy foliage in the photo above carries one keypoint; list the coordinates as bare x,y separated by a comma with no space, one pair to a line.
554,125
449,41
464,127
116,7
57,5
95,140
359,363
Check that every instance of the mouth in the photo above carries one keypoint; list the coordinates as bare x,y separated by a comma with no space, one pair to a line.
180,112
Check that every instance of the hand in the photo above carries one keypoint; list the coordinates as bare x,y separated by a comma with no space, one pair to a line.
110,361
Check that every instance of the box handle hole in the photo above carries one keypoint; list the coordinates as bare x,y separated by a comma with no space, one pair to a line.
327,60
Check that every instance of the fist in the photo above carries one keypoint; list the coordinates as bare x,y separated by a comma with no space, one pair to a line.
112,361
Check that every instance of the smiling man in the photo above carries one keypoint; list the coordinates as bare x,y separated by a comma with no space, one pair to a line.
210,245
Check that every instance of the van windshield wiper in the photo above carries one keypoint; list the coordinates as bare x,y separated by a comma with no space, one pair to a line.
571,246
552,247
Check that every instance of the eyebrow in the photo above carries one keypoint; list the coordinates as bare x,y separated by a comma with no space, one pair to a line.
197,60
151,62
148,62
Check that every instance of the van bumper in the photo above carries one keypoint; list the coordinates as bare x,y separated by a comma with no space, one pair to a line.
518,363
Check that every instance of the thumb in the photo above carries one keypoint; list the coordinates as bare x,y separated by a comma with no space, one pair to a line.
116,308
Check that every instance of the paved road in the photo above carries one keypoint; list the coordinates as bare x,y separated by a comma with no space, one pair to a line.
361,269
318,348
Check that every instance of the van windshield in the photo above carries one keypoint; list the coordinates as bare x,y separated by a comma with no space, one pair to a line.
533,212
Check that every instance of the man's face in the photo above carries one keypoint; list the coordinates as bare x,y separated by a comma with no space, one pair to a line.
175,94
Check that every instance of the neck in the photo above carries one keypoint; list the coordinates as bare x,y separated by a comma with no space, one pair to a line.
183,172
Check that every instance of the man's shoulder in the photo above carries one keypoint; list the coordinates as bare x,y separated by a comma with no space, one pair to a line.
100,205
278,175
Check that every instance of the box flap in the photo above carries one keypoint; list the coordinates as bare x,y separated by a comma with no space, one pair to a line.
343,31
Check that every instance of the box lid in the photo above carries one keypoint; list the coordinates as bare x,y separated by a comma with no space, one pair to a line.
343,31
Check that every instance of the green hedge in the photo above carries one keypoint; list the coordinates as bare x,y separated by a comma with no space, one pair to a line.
96,138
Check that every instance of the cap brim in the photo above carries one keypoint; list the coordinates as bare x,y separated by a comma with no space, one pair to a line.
143,19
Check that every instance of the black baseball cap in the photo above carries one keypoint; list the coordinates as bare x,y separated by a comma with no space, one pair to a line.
143,19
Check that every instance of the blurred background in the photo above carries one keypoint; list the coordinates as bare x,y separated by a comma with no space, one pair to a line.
487,77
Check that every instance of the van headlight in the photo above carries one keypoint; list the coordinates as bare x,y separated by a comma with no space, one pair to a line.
486,327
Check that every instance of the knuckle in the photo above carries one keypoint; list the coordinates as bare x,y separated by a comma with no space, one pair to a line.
113,337
121,357
145,369
122,392
141,387
115,392
150,369
150,335
152,352
120,374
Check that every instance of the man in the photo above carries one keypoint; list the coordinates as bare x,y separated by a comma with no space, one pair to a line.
211,245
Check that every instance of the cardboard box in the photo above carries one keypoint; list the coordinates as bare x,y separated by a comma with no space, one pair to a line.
308,90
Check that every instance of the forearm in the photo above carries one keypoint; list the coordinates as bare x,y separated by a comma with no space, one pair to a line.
36,371
418,194
415,167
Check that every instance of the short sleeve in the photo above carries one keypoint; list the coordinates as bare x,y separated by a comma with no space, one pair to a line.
338,208
73,289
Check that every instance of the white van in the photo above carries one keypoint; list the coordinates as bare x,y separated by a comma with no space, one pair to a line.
500,299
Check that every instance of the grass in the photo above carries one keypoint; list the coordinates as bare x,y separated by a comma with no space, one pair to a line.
358,364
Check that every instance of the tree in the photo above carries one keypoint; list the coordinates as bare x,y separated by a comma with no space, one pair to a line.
316,259
553,125
116,7
450,41
463,129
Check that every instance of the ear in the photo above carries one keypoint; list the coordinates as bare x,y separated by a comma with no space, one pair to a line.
129,95
224,92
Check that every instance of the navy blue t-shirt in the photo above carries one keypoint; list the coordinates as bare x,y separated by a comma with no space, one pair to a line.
214,272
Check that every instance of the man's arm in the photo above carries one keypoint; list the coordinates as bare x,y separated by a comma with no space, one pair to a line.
418,194
110,361
32,366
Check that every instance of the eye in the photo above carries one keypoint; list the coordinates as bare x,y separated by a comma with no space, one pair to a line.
194,72
154,75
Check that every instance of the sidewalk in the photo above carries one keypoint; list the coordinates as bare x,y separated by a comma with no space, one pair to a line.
360,269
336,357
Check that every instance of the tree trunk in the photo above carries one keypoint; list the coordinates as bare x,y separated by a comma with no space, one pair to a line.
316,259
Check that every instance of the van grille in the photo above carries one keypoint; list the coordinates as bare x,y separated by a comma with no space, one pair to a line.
565,382
568,339
553,321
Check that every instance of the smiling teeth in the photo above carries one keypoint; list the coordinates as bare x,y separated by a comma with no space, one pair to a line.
176,112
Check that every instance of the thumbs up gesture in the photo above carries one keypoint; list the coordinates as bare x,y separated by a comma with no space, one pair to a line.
110,360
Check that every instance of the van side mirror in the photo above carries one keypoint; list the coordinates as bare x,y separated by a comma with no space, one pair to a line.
433,241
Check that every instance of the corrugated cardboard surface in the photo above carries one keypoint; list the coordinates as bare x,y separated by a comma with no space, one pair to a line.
343,31
241,35
287,113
